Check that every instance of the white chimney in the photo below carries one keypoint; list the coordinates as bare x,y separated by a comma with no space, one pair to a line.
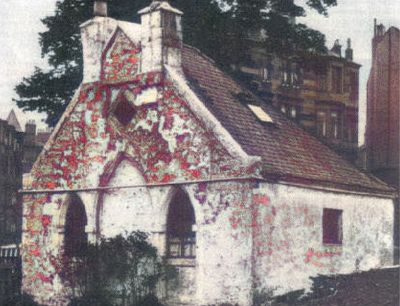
95,34
161,36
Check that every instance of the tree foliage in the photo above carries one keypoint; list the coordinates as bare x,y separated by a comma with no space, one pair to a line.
124,270
219,28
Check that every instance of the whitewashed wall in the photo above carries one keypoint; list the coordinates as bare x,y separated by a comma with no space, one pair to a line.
291,248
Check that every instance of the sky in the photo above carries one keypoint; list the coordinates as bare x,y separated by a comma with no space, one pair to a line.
20,51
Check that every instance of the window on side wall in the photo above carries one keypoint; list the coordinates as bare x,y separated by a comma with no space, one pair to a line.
332,226
75,239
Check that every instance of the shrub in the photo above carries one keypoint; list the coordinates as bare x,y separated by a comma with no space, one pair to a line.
124,270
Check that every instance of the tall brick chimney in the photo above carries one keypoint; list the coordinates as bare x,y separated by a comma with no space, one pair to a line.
161,36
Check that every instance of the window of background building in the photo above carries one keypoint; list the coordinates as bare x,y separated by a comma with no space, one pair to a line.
321,123
335,125
321,82
267,72
337,79
332,226
354,86
293,112
295,78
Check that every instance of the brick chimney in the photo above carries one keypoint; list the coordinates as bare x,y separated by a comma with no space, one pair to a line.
161,36
379,31
30,133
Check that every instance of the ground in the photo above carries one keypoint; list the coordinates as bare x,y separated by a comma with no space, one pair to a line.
373,288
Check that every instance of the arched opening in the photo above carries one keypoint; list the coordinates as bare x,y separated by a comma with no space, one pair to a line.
181,237
75,237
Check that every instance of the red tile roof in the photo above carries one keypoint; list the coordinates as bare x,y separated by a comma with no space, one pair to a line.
288,152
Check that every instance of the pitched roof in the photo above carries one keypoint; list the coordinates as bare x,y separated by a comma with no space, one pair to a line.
288,152
13,120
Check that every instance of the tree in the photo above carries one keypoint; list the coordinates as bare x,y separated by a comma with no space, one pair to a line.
219,28
124,270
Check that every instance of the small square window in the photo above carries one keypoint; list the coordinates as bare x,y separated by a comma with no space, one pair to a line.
332,226
124,111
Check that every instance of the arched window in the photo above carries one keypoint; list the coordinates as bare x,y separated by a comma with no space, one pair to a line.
181,237
75,239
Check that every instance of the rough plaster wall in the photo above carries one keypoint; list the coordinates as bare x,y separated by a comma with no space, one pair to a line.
223,252
288,236
128,209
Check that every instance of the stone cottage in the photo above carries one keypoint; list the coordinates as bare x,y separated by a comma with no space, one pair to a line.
231,191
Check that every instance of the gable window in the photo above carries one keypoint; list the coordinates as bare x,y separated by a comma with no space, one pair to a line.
181,237
332,226
75,239
124,111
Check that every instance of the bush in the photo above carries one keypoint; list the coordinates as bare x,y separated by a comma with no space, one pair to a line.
124,270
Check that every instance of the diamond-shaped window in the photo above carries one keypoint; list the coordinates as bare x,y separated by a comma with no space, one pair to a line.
124,111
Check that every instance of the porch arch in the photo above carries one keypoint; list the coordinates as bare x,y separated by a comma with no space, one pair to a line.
181,226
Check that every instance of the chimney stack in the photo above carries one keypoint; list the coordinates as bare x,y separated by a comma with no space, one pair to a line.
161,36
100,8
30,133
349,51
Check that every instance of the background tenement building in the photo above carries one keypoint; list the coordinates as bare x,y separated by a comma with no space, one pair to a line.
18,151
318,91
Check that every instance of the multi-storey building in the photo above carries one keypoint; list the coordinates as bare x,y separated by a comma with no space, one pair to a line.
383,100
320,92
382,138
11,148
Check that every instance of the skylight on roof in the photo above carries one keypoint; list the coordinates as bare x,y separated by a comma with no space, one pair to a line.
260,113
